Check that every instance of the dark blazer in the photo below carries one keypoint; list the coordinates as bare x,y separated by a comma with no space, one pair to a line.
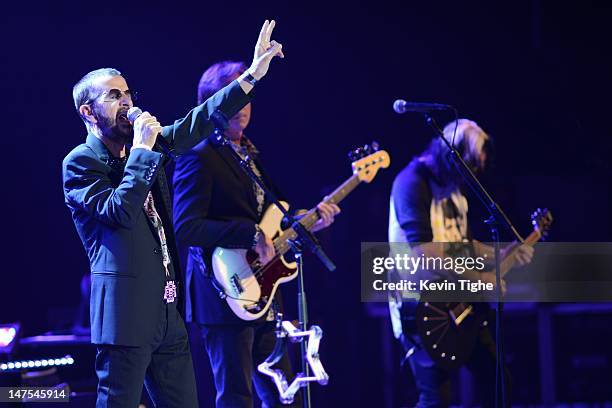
214,205
123,247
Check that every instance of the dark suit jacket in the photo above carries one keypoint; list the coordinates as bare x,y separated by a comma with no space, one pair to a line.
214,205
128,277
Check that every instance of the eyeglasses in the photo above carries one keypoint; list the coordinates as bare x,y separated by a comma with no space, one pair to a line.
113,95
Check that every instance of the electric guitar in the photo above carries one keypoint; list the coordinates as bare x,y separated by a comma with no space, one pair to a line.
247,285
449,330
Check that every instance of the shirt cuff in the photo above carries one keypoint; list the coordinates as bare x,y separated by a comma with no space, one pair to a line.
141,146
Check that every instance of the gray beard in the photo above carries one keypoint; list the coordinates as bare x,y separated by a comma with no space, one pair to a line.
114,133
108,127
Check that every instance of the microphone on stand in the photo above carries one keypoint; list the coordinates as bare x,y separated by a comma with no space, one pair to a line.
401,106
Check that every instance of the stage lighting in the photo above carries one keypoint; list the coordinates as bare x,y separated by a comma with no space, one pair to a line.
51,362
9,337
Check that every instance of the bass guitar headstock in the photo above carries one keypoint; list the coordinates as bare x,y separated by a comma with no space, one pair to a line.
367,160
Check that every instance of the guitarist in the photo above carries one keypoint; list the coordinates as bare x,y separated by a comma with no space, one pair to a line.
218,205
427,205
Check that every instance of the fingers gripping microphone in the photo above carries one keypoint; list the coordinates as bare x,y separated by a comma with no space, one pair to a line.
401,106
133,114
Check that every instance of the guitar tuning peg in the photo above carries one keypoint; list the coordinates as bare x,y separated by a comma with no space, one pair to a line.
375,146
367,149
356,154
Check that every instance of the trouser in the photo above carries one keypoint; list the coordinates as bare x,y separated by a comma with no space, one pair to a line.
434,383
164,365
234,351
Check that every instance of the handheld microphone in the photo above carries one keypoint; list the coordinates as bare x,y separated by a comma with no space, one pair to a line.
401,106
133,114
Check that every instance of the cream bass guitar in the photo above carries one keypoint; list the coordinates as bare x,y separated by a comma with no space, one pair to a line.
249,287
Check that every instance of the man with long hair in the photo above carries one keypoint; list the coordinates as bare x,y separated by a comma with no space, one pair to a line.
428,210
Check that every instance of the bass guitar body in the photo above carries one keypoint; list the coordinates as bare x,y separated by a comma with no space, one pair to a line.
249,292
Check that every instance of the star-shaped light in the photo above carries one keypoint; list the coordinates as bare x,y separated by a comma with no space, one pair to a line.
288,330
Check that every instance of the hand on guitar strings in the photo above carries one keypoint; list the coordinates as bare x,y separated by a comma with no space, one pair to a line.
522,256
327,212
489,277
264,248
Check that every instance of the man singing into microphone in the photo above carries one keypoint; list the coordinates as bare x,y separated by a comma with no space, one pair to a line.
120,205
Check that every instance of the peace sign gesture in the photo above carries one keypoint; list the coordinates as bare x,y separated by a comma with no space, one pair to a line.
265,50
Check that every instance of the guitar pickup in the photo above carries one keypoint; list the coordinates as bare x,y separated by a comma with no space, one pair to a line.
236,284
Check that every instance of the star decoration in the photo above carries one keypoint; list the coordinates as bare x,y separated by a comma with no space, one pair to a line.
289,331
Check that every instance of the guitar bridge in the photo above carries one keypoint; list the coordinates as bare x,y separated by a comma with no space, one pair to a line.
236,284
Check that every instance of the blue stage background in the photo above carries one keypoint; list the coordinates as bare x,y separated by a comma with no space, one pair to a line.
534,74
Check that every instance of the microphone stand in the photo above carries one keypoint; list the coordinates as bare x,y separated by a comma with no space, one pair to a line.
303,316
305,239
496,218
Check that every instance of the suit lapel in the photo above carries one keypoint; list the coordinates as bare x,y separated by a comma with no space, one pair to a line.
116,166
98,147
229,159
266,178
160,191
161,196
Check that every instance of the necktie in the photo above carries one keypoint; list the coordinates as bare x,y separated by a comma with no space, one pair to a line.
170,288
118,165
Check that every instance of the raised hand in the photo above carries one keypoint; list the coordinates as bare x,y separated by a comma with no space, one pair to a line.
265,50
